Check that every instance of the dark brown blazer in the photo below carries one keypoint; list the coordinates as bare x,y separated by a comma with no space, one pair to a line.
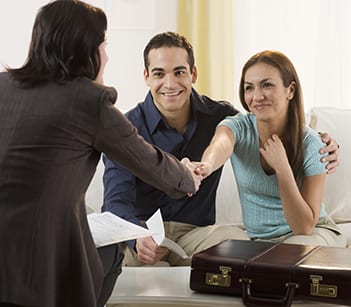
51,138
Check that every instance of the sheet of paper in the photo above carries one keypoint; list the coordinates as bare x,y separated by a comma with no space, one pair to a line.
155,225
108,228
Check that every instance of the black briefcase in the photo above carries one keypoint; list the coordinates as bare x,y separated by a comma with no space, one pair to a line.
270,274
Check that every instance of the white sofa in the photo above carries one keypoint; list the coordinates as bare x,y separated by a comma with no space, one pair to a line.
337,196
337,200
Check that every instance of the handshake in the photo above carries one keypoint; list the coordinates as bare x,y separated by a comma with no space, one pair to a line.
199,171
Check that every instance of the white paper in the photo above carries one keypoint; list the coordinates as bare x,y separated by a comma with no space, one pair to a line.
108,228
155,225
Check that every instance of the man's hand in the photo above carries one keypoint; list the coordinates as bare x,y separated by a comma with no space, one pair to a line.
332,149
148,251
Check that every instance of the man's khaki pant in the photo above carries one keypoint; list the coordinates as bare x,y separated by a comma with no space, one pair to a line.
192,239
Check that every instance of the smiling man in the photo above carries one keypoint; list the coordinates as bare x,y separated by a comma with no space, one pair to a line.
179,120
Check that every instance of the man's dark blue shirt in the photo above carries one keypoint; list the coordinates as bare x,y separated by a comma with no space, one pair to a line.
134,200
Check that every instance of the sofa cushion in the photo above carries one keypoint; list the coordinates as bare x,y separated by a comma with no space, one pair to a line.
228,209
337,194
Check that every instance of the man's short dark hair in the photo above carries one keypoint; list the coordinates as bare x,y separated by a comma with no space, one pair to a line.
169,39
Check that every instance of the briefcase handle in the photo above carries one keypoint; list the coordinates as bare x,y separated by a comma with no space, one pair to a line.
254,301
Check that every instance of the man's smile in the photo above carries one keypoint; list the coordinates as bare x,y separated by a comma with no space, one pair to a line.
173,93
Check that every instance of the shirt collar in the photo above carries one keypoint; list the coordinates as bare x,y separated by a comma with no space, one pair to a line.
154,118
199,104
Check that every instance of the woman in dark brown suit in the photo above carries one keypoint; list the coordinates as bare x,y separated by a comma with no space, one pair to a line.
55,121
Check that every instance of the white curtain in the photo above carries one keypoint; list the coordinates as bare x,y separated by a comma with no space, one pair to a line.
314,34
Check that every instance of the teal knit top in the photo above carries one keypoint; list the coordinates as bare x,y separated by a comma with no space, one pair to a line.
262,210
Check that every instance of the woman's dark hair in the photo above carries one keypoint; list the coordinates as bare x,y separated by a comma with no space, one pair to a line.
169,39
295,128
65,43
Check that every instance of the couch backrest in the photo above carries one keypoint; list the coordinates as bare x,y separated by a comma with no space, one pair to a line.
228,209
337,193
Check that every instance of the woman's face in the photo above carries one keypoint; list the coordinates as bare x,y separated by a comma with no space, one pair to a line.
103,61
264,92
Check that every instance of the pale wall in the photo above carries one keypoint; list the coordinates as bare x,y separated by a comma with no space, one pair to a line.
131,24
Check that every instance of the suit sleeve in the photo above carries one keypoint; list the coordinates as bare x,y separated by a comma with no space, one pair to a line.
119,193
119,140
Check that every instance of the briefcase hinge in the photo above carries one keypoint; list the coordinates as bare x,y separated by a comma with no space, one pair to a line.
324,290
221,280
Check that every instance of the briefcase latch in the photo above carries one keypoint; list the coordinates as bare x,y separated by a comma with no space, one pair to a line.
324,290
221,280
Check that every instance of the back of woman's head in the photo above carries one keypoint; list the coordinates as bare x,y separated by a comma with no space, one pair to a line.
65,43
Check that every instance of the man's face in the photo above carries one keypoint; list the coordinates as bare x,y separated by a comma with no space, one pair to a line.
170,79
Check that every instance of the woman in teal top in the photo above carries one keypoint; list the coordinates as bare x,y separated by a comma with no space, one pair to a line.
275,157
